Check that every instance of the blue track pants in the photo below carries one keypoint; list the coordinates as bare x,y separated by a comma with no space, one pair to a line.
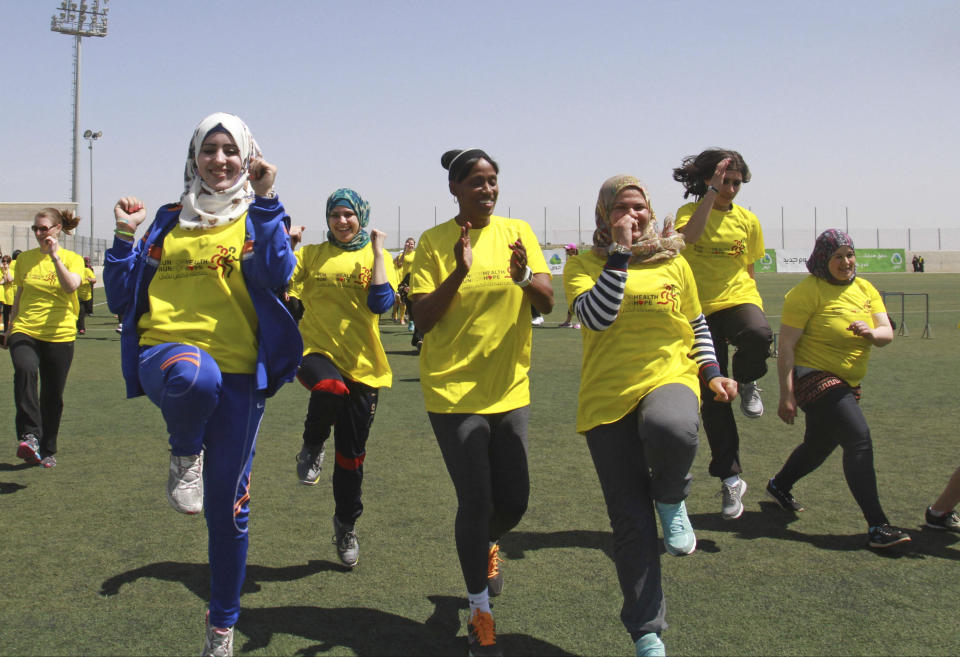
220,414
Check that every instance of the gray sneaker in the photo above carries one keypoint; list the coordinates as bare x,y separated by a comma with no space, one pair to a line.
185,483
218,642
732,504
750,402
309,464
348,547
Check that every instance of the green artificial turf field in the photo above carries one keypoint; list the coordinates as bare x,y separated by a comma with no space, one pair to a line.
94,562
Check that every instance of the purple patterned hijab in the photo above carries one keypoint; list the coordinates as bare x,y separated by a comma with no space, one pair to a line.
823,249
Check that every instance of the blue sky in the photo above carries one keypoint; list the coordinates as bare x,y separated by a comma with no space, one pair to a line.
833,104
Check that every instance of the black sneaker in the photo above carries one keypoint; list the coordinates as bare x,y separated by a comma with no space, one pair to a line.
786,501
949,521
883,536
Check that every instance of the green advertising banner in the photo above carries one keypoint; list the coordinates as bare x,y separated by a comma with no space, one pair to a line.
868,260
768,263
874,260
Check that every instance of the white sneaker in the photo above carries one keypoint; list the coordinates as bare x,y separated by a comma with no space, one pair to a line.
217,642
185,483
537,321
750,402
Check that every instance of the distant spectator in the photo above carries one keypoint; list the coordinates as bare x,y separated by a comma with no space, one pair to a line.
9,289
85,296
571,250
916,263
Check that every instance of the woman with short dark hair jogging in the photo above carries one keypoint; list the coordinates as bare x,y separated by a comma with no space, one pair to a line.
723,241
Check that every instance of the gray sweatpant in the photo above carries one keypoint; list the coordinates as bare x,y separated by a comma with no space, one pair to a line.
645,456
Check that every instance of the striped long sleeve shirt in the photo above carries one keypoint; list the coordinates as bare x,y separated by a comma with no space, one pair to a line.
598,308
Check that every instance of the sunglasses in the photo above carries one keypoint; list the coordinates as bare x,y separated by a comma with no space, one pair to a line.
41,229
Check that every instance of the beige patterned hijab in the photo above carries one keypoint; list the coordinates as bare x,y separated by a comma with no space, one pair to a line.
651,246
203,207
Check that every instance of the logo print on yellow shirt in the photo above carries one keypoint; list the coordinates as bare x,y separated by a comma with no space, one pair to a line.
224,260
48,278
738,248
670,295
366,275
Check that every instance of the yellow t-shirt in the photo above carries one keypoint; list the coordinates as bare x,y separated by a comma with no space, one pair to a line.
46,312
333,286
731,242
824,312
476,358
198,297
85,291
646,347
407,263
10,289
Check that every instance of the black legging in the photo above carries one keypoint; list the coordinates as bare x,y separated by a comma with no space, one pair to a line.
39,367
746,328
486,456
836,419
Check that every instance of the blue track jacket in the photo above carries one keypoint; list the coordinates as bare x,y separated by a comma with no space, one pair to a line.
128,270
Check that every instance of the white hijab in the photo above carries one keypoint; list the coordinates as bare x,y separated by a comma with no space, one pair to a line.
202,206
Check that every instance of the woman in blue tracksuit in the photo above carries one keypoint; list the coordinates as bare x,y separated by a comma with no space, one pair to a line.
206,337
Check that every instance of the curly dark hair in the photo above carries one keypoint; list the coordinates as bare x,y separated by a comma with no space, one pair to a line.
696,170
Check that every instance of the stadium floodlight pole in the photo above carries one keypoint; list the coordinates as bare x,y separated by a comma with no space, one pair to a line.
91,137
79,20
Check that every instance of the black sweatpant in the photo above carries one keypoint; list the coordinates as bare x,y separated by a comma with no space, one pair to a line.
836,419
347,407
746,328
40,372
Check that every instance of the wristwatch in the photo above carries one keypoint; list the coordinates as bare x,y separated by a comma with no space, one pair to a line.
616,248
527,277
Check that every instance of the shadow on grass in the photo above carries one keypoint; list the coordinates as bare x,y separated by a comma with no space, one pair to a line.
772,522
515,544
403,352
936,543
196,576
9,487
14,467
372,632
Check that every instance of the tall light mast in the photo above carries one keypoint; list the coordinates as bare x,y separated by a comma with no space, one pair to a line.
84,19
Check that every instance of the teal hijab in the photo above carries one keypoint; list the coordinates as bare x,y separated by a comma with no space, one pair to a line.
348,198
